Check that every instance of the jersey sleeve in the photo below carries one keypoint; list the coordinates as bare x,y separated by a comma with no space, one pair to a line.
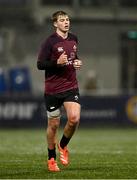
76,39
44,56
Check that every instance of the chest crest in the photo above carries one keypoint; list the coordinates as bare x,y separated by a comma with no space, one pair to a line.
60,49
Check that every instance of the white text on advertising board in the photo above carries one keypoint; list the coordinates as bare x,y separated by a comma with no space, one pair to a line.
17,110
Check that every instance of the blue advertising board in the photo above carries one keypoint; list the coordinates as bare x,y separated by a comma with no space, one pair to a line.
21,111
30,111
109,110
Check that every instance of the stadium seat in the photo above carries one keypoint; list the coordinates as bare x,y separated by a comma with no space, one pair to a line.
3,82
19,80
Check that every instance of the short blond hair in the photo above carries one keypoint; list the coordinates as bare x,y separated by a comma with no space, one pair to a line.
57,14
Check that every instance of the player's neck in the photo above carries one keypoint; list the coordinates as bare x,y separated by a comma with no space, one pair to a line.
64,35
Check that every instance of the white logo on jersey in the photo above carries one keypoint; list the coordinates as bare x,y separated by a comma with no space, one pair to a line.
60,49
75,48
69,63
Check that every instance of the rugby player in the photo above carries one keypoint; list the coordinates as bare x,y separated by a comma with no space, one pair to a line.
58,57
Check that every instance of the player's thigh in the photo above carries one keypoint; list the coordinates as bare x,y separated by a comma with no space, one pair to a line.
52,102
73,110
53,105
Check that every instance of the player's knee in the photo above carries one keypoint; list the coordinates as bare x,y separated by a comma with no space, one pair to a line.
53,119
74,119
53,124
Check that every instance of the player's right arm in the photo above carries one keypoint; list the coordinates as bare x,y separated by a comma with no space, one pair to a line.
44,57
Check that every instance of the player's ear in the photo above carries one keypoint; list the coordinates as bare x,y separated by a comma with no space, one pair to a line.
55,24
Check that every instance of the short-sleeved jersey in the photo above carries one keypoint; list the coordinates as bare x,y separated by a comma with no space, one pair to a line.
59,78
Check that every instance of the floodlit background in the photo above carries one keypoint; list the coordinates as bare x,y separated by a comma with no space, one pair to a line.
105,145
107,33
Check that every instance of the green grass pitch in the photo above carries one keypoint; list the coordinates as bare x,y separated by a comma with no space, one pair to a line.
96,153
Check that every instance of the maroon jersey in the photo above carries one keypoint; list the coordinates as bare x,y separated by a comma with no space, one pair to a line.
58,78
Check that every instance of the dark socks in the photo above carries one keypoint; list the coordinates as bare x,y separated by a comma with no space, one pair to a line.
52,153
64,141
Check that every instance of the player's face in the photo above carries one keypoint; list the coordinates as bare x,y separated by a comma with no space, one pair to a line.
62,23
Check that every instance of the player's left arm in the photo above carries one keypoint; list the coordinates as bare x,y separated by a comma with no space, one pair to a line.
77,62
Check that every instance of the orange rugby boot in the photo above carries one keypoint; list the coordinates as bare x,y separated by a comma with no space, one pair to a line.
52,165
64,155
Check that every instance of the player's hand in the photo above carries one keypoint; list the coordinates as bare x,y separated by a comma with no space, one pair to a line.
63,59
77,64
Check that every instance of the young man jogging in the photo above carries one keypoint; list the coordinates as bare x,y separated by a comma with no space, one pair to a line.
58,57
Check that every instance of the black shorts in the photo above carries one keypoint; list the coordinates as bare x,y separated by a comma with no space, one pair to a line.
55,101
